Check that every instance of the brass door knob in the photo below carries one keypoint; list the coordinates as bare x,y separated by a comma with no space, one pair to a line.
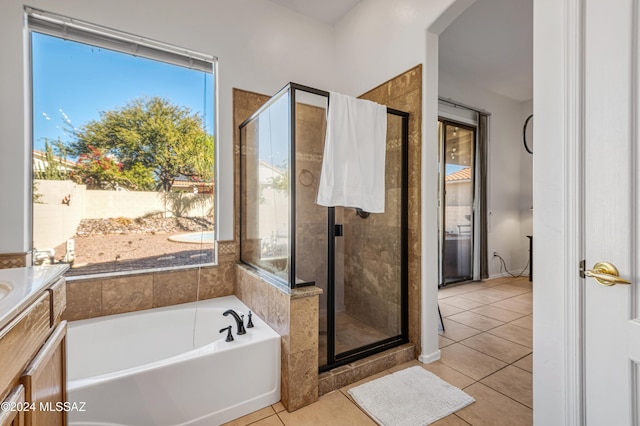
606,274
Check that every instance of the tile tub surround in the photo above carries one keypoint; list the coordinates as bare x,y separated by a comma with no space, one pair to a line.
294,315
94,297
13,260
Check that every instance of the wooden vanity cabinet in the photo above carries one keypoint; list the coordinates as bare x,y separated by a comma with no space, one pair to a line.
45,380
33,361
14,399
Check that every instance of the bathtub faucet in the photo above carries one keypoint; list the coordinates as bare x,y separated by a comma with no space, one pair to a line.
239,320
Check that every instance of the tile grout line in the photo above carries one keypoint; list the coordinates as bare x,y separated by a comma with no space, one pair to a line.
488,332
491,305
495,390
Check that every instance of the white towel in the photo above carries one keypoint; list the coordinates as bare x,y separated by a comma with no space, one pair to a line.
353,167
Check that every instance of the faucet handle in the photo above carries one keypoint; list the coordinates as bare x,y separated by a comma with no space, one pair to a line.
241,329
250,322
229,335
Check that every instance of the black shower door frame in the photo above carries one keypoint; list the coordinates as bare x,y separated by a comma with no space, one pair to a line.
333,359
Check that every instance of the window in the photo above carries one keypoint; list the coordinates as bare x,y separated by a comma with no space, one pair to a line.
123,149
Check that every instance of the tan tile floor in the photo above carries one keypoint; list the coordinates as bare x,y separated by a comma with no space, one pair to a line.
486,351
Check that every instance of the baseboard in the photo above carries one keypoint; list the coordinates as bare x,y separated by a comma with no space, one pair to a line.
428,359
505,275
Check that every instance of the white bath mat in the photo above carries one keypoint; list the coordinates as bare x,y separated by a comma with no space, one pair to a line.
410,397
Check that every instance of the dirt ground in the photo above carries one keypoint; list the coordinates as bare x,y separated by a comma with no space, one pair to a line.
125,252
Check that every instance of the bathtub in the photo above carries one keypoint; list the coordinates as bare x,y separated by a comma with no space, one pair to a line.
170,366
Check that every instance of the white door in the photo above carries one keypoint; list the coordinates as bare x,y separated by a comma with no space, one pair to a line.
611,210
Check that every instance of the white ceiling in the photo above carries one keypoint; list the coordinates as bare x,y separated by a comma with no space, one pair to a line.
491,45
327,11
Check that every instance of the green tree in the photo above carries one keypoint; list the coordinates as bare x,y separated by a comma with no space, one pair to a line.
97,170
152,135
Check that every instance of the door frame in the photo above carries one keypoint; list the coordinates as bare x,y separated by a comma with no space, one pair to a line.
566,120
443,198
558,381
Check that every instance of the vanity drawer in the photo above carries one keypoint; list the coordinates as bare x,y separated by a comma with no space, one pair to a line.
21,339
45,381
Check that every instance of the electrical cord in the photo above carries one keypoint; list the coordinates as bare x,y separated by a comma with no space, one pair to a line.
503,266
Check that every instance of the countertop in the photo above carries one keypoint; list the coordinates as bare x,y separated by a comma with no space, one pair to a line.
26,284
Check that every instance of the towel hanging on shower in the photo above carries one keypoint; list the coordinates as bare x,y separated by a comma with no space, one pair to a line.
353,165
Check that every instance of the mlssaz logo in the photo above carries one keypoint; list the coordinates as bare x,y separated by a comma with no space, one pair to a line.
62,406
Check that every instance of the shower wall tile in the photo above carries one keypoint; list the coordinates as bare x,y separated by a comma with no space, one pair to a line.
379,94
410,102
358,370
326,382
405,83
278,312
304,333
393,176
303,379
403,93
414,210
311,219
294,316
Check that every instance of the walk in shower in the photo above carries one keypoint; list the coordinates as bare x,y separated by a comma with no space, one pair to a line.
358,259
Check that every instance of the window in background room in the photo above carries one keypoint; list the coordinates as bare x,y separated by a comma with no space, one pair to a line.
123,150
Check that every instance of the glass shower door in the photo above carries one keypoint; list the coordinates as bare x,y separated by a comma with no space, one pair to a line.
368,262
358,260
457,163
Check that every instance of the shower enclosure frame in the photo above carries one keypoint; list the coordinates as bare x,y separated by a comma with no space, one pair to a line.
335,360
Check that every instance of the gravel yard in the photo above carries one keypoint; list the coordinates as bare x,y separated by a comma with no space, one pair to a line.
113,245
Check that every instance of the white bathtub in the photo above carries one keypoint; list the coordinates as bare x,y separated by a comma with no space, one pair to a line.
156,368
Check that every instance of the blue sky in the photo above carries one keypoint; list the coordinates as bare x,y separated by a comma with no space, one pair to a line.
73,82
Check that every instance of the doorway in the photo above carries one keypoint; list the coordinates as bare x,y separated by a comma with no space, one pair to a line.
457,201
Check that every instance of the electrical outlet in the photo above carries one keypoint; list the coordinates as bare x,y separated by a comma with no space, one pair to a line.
495,254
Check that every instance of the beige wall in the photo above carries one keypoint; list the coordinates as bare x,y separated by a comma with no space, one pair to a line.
53,221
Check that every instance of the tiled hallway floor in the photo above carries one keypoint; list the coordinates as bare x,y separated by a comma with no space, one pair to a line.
486,351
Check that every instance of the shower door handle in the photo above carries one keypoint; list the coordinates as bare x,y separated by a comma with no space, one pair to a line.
338,231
